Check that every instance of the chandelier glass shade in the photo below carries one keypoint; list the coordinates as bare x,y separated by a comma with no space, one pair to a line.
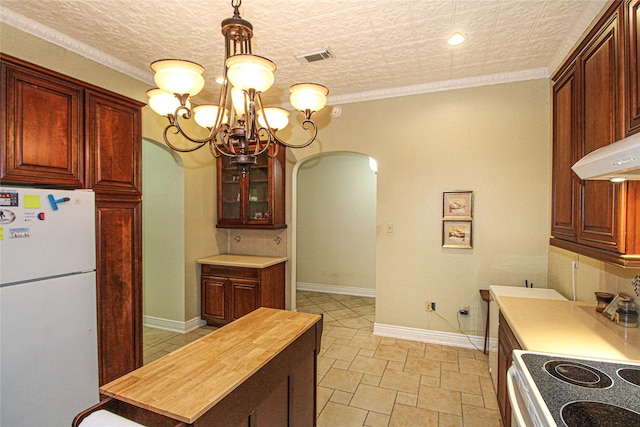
239,126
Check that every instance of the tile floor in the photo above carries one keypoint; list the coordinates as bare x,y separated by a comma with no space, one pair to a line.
368,381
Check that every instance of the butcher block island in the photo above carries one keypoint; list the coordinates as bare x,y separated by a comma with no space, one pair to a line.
259,370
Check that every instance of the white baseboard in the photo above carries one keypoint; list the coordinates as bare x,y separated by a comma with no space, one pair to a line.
173,325
431,337
335,289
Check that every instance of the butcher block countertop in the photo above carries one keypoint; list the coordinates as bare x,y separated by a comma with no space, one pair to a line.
191,380
568,327
250,261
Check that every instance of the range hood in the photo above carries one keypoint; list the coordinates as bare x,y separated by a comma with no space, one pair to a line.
616,162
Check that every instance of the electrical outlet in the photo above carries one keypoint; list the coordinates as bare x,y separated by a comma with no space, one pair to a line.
464,310
429,306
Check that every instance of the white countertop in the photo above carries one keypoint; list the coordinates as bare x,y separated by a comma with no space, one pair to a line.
568,327
522,292
251,261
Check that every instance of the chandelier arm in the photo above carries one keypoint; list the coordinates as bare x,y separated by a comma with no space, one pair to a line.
214,150
276,149
306,125
199,144
225,141
174,122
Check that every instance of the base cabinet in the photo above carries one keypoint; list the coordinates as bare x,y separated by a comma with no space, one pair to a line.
507,342
228,293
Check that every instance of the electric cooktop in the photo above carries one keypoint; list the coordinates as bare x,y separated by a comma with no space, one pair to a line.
586,392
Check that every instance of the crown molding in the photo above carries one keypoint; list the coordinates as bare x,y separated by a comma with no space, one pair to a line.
440,86
59,39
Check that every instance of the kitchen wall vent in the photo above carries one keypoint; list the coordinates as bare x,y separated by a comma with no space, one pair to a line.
315,56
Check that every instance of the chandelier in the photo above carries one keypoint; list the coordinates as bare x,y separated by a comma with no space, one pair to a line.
239,127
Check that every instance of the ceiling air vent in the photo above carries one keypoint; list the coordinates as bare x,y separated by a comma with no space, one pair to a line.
315,56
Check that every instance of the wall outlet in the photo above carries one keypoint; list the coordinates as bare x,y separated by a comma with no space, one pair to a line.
464,310
429,306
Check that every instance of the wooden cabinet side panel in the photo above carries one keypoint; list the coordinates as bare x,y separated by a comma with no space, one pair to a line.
600,72
278,187
272,286
565,136
115,141
632,47
274,410
42,129
303,392
119,282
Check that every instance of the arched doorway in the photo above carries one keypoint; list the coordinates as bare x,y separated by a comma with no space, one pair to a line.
334,224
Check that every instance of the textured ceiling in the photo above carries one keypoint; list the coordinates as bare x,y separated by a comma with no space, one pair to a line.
381,47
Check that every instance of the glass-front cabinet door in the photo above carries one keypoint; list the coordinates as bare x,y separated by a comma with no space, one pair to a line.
255,200
229,195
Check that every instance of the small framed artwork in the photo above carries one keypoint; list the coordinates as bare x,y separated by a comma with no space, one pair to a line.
457,205
456,234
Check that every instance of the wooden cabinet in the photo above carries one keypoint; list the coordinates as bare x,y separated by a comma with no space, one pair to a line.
113,123
42,139
594,218
632,50
565,184
507,342
600,87
228,292
61,132
256,199
119,290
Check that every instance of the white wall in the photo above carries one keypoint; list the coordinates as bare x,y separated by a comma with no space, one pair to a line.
336,222
163,232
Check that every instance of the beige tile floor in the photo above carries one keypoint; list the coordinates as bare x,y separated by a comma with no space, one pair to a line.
368,381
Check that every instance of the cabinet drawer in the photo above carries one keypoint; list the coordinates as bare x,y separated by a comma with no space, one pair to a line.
225,271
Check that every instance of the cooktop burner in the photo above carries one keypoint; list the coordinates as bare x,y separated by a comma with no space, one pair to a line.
583,392
631,375
594,414
578,374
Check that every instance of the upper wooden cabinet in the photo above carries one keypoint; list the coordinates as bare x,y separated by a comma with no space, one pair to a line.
254,200
632,49
592,99
565,184
42,139
600,76
112,123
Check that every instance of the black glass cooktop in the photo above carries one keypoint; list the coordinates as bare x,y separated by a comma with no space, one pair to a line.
584,393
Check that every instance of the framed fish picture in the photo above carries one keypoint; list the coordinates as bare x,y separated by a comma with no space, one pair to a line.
457,205
456,234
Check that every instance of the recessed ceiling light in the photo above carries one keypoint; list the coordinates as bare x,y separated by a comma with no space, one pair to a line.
456,39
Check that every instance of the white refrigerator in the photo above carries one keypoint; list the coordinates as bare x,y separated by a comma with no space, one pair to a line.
48,324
